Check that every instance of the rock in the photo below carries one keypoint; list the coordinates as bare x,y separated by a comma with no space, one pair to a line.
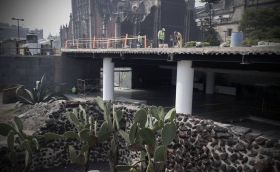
223,135
223,167
260,141
262,166
277,164
220,129
216,156
240,147
224,156
274,153
252,136
247,169
270,143
241,130
232,141
182,134
252,162
183,128
231,169
239,169
222,143
233,157
253,153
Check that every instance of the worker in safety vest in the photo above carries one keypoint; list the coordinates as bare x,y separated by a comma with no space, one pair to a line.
161,36
178,39
74,90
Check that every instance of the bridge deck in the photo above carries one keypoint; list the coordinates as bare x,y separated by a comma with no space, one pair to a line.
197,51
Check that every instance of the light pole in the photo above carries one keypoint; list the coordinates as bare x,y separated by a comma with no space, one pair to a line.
225,35
18,24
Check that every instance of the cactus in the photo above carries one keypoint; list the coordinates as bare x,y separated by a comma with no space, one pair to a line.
27,142
113,127
86,132
142,137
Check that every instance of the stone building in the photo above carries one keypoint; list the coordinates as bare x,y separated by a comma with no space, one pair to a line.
11,31
225,15
103,19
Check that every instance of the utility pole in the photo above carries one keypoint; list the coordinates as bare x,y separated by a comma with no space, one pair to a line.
18,24
225,35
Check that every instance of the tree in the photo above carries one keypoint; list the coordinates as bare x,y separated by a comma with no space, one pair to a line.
261,24
211,33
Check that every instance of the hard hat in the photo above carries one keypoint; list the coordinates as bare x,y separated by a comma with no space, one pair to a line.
163,29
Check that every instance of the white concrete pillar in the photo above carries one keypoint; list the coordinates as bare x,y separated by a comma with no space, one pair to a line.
210,83
108,79
184,87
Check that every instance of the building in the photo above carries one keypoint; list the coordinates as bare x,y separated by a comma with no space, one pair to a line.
225,15
103,19
11,31
38,32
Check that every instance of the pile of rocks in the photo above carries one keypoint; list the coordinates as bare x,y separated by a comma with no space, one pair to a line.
55,152
200,145
203,145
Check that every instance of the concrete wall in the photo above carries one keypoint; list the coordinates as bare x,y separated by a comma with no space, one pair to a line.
26,70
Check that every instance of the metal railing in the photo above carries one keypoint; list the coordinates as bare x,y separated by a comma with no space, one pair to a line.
127,41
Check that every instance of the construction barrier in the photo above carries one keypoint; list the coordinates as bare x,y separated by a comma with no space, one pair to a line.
116,42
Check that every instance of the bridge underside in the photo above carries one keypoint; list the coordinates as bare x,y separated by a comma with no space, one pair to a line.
225,71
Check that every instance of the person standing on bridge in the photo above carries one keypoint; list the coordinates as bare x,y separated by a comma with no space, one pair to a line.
161,36
178,39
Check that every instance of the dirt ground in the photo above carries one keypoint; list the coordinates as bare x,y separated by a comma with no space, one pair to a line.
33,117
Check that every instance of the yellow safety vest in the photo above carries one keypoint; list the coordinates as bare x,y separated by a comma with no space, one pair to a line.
161,35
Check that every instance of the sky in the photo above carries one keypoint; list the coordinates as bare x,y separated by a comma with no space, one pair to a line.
41,14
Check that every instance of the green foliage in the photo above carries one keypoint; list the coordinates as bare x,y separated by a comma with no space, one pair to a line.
193,44
260,25
44,92
112,126
148,125
249,41
211,37
27,142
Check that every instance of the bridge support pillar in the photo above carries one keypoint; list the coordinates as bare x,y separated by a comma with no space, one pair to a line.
210,83
108,79
184,87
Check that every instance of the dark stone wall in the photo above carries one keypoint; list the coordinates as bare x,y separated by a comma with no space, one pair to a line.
26,70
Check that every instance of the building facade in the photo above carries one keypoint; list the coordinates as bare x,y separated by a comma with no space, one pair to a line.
11,31
103,19
225,15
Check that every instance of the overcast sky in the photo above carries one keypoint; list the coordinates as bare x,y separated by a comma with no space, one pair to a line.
42,14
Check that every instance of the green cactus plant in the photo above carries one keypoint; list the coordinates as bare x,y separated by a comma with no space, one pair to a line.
27,143
143,136
113,126
86,132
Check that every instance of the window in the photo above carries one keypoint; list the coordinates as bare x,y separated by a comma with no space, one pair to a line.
229,32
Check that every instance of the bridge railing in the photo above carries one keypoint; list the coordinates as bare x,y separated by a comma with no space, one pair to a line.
127,41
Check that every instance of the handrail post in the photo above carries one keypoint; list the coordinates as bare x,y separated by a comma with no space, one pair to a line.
108,43
125,41
93,43
145,41
77,43
66,44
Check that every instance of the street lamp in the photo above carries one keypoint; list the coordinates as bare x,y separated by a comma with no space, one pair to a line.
18,24
225,35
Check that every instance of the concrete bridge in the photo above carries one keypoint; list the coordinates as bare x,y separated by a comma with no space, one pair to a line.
262,59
